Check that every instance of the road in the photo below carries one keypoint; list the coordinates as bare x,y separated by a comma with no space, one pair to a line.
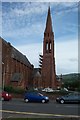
18,108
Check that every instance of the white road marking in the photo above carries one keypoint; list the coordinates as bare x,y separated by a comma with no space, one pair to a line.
40,114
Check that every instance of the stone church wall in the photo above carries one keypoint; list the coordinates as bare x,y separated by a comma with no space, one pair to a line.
17,70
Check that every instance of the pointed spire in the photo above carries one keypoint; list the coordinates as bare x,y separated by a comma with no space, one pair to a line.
48,22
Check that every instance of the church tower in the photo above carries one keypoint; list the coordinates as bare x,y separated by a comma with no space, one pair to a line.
48,63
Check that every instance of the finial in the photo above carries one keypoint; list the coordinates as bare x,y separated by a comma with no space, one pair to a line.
49,7
49,4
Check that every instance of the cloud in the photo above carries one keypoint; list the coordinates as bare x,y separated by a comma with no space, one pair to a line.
73,59
25,35
22,18
66,54
25,8
12,17
40,1
30,9
32,52
65,7
24,26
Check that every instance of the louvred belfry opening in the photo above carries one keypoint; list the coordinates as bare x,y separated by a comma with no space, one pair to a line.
48,63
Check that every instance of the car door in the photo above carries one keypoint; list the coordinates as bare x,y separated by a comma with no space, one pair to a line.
76,97
69,98
73,97
34,97
37,97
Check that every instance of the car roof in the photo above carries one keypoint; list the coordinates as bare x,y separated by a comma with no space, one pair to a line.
30,92
74,93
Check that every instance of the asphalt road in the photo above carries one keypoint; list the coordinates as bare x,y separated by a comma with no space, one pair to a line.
17,108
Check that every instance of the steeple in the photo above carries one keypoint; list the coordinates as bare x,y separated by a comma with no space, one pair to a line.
48,63
48,22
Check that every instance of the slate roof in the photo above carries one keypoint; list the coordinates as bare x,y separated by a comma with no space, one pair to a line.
17,55
20,57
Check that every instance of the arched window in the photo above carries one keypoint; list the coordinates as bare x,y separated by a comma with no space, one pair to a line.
50,45
46,45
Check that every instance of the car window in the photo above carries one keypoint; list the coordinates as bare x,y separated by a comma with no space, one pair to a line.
75,94
40,94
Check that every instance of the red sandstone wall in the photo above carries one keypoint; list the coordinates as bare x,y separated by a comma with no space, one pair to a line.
11,66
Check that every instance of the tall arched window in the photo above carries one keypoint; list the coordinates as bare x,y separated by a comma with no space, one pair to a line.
46,45
50,45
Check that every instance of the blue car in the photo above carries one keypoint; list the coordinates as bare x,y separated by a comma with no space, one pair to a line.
70,98
35,97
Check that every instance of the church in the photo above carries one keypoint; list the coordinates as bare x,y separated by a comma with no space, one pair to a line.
19,72
48,63
47,60
16,68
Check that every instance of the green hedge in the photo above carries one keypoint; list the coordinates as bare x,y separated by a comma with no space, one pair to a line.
16,90
61,92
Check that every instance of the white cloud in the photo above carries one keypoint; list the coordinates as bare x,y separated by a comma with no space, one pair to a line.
66,54
32,52
26,11
40,0
66,51
22,21
30,9
25,33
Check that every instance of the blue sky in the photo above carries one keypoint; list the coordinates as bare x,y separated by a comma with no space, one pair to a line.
23,25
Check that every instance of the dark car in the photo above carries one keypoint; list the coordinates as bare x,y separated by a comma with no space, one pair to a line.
69,98
5,96
35,97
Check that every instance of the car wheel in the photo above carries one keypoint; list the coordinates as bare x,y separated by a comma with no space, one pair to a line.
26,100
62,101
43,101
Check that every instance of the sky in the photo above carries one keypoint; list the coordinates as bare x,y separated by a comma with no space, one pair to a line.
23,25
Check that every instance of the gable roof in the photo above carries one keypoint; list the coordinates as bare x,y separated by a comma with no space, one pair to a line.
20,57
17,55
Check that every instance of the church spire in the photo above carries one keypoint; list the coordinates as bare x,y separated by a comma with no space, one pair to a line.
48,63
48,22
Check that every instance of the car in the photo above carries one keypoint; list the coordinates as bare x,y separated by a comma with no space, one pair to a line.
65,89
36,89
73,97
47,90
35,97
5,96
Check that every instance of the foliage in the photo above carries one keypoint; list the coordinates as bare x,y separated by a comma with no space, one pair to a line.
8,89
11,89
71,77
71,81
